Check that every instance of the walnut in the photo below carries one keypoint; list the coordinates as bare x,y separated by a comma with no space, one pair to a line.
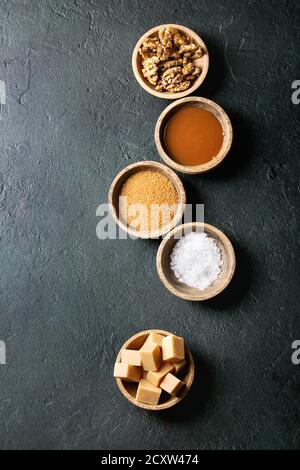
179,39
196,71
188,68
198,53
168,60
160,86
149,63
146,55
171,72
151,43
190,77
171,81
171,63
180,87
150,69
165,36
186,58
187,48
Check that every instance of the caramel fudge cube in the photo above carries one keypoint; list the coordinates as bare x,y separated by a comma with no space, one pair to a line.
178,366
148,393
173,348
153,338
127,372
129,356
151,357
172,384
157,377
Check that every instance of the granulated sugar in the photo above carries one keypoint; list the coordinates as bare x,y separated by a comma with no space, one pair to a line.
196,260
148,190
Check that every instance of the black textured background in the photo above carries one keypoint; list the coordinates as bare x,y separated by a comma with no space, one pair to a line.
74,117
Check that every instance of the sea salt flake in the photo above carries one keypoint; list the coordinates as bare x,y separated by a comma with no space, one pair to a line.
196,260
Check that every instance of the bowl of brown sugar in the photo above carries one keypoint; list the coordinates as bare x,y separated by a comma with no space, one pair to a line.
147,199
193,135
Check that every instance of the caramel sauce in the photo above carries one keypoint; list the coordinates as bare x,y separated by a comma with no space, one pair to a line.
193,136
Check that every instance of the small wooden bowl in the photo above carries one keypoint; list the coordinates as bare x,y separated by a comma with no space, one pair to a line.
200,102
116,186
129,389
203,63
168,277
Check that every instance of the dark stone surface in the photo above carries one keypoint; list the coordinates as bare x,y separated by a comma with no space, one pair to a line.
74,117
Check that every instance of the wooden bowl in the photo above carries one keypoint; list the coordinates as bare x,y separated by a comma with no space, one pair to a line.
116,186
200,102
203,63
129,389
168,277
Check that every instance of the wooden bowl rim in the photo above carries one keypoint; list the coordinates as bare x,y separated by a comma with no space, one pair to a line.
174,400
202,294
178,186
196,169
167,95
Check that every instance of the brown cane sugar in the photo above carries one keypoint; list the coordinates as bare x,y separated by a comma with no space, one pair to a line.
193,136
148,201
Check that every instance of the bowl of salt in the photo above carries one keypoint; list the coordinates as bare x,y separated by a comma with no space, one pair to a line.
195,261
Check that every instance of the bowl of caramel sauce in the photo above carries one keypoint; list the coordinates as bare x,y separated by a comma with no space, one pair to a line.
193,135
